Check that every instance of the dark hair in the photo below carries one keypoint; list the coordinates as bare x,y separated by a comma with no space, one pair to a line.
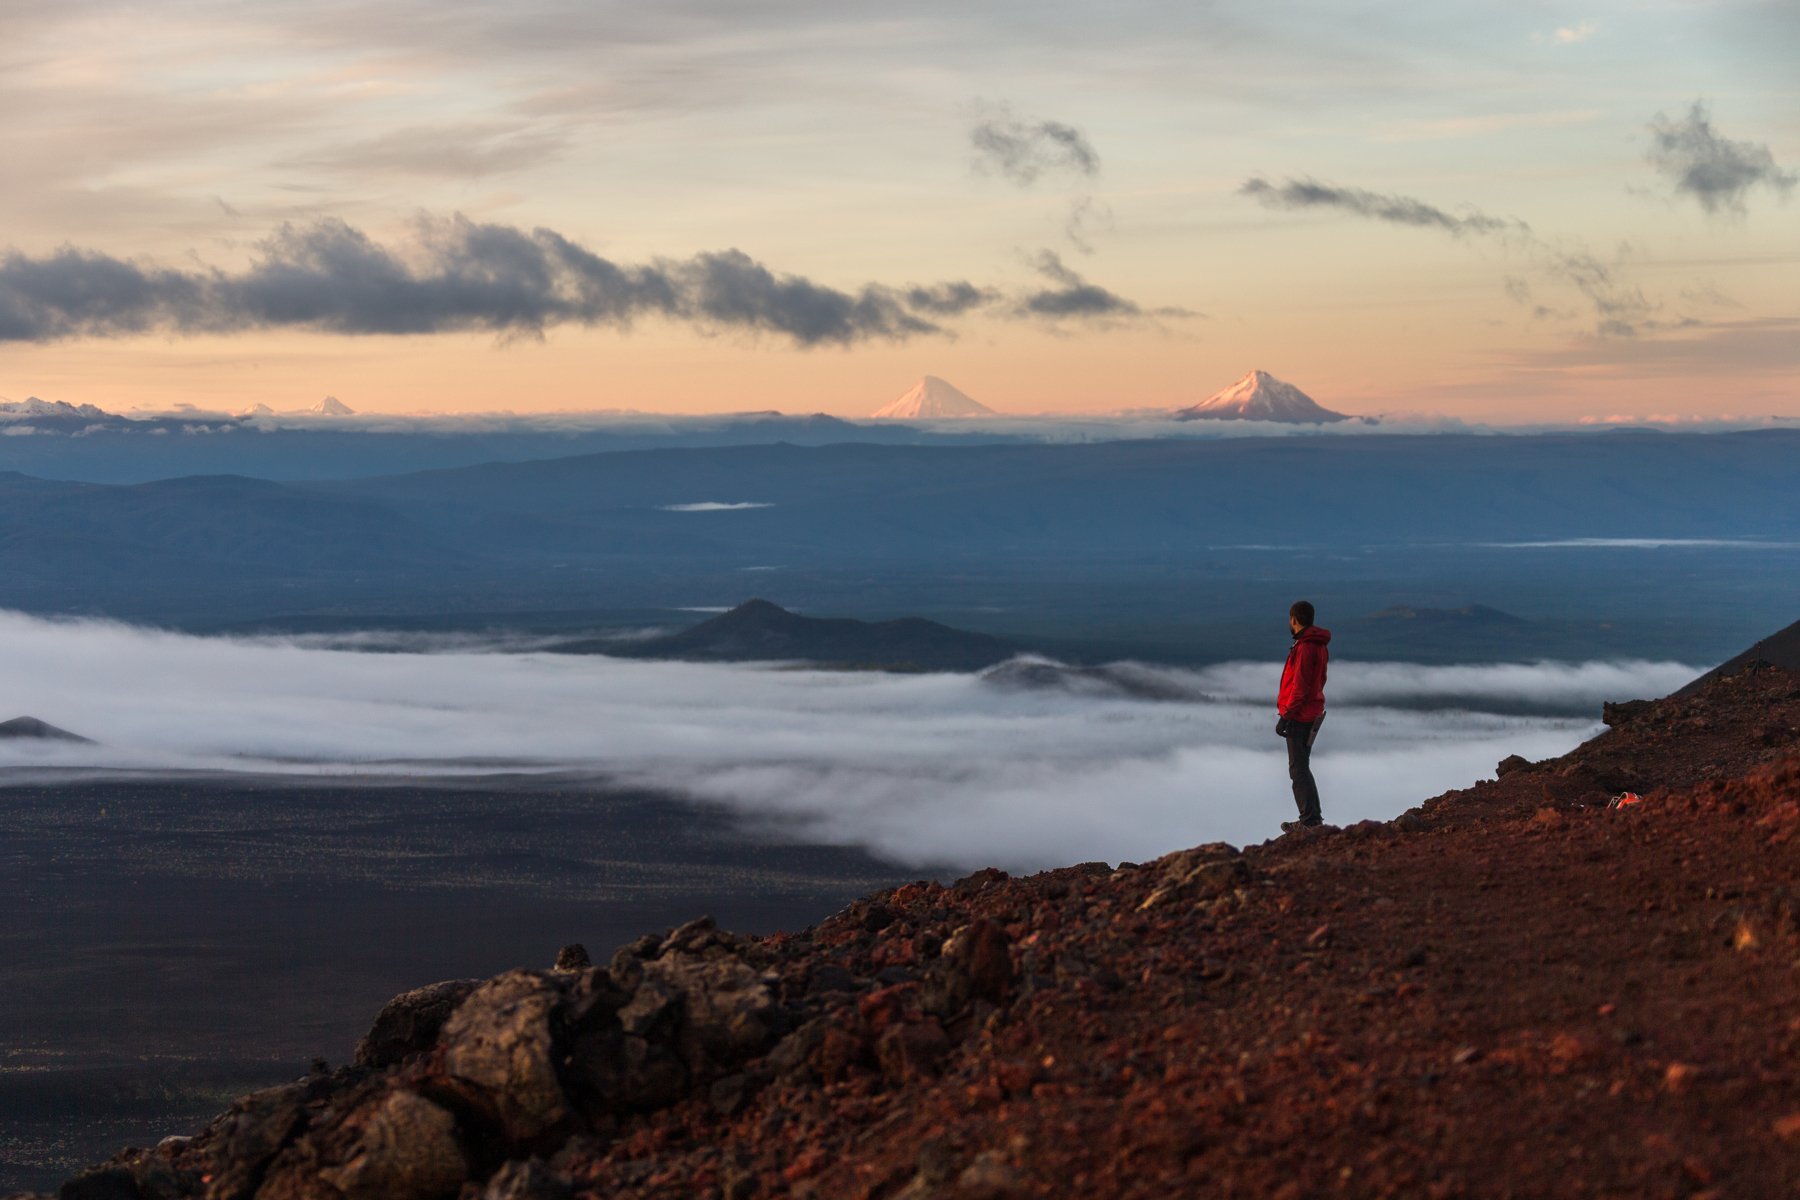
1302,612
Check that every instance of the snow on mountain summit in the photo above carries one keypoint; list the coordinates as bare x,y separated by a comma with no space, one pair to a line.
929,398
31,406
331,406
1259,396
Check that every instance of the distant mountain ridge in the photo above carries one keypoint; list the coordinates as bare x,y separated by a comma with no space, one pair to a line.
1259,396
30,728
1469,614
543,533
762,631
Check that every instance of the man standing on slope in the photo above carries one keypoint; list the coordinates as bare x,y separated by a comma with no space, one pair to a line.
1301,707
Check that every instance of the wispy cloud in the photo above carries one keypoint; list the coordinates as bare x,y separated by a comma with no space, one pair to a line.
926,768
1619,308
1023,149
1378,206
1714,170
1071,297
1568,35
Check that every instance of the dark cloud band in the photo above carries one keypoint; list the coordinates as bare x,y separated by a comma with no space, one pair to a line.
457,275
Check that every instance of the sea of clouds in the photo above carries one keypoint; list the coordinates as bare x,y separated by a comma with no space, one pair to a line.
933,769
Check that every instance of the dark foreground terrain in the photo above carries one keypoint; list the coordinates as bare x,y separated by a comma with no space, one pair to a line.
167,944
1512,990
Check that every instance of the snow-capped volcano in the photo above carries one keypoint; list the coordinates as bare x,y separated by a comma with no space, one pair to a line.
1259,396
331,406
931,397
256,410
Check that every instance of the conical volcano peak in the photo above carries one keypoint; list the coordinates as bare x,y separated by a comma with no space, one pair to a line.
931,397
1259,396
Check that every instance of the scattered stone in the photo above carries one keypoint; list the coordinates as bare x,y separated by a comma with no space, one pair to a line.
1511,763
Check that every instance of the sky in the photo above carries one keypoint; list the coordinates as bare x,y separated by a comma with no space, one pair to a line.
1516,212
923,769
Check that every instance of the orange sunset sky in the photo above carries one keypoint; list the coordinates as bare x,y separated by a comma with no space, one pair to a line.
1517,212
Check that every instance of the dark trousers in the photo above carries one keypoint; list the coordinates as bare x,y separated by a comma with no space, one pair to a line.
1306,792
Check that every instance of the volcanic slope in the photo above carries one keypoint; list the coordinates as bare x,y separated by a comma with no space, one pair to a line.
1259,396
1512,990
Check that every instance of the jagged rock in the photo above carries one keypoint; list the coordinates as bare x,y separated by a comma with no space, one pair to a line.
1511,763
727,1009
686,1009
251,1134
975,964
982,953
986,877
573,957
405,1148
499,1047
409,1023
1203,873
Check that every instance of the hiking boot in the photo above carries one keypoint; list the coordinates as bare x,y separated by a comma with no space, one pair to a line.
1292,826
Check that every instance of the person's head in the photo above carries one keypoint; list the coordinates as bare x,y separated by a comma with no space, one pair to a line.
1300,616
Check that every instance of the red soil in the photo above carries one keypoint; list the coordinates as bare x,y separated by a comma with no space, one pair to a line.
1527,994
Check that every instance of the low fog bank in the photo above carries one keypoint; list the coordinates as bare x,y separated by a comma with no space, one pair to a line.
921,768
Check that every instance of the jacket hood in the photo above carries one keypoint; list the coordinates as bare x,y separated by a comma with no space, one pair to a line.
1312,633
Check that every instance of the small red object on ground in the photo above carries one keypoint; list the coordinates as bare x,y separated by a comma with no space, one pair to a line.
1625,799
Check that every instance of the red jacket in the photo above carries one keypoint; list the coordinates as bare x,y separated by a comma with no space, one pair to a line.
1302,696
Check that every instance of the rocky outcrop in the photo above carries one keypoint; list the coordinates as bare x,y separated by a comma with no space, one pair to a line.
474,1088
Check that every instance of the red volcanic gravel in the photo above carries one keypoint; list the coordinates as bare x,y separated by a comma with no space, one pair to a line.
1512,990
